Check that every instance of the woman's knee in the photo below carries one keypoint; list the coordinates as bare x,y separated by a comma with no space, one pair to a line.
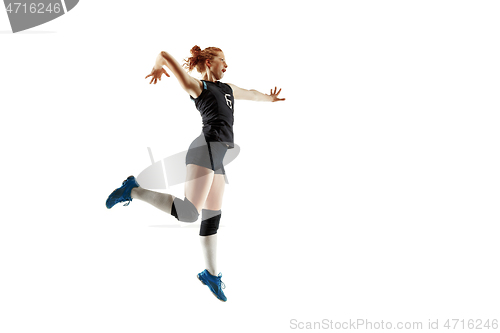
185,210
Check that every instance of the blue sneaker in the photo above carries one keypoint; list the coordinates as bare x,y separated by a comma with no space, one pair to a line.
122,193
214,283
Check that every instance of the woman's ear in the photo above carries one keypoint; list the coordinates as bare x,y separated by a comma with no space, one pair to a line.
207,63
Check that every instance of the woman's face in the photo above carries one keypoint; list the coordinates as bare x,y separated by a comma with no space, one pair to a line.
218,66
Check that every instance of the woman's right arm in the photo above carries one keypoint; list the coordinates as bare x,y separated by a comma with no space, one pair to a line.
192,86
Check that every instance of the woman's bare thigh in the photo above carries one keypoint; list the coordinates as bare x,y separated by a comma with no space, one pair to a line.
198,183
214,198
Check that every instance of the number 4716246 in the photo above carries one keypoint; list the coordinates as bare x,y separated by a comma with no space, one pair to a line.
33,8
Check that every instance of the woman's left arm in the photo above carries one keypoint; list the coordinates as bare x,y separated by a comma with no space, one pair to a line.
254,95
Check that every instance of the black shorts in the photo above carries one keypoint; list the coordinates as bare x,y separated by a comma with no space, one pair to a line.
207,154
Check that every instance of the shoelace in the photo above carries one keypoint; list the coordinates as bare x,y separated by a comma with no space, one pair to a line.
220,281
128,201
124,200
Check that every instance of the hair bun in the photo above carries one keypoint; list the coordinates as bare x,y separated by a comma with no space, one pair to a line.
196,50
198,58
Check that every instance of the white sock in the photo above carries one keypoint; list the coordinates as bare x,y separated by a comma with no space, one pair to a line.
162,201
209,247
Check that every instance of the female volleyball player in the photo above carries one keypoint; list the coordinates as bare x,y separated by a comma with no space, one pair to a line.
205,181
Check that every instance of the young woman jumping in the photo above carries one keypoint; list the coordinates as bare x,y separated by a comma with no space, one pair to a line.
205,179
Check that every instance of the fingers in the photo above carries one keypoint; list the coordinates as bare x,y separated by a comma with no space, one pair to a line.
151,74
275,93
156,76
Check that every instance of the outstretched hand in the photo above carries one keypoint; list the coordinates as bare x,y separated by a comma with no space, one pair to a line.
274,95
156,74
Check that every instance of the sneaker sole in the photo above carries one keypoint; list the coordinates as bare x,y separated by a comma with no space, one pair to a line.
210,290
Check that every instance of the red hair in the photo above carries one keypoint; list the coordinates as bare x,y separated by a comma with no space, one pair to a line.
199,56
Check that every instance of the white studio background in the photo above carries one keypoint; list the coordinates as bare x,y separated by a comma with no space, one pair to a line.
371,192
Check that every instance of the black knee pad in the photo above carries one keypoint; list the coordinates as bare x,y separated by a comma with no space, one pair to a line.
184,210
210,220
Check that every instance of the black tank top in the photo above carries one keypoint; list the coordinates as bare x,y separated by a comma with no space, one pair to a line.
216,104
